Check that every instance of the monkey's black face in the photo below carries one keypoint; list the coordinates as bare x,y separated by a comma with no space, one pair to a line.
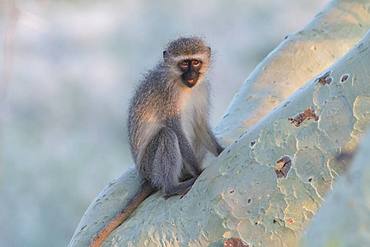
190,71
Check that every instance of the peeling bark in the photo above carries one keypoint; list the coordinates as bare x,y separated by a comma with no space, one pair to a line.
283,166
307,114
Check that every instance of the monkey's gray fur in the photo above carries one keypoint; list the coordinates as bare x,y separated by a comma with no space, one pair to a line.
168,124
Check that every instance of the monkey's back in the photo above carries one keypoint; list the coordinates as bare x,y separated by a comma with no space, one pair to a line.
152,102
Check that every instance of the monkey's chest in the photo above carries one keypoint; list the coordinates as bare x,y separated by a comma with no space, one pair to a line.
188,122
192,106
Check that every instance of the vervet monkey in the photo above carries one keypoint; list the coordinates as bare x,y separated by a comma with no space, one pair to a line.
168,125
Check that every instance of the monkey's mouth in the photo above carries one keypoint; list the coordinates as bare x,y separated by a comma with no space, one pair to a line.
190,83
190,79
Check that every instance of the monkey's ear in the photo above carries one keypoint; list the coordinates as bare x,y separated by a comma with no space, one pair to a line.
209,52
165,55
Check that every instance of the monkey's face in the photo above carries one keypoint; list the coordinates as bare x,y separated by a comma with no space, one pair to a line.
187,60
190,71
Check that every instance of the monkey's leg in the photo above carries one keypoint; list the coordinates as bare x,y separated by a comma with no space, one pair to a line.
191,162
167,165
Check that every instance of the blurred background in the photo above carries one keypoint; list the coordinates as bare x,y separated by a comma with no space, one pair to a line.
67,70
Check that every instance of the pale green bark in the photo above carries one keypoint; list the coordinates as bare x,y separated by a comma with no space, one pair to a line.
344,219
239,194
296,60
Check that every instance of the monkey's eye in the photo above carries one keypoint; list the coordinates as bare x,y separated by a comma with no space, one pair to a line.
184,65
196,63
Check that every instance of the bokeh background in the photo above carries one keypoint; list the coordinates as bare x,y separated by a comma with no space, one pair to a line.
67,70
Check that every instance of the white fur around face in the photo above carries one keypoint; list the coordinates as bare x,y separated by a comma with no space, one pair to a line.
192,102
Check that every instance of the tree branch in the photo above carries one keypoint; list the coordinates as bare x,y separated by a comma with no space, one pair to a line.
296,60
266,186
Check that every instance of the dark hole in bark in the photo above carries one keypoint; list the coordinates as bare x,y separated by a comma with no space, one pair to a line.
344,78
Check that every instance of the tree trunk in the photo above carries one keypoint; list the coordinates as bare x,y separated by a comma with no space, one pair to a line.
267,185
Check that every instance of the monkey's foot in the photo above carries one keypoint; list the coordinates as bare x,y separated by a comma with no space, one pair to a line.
181,189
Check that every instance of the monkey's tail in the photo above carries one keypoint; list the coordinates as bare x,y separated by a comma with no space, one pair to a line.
146,190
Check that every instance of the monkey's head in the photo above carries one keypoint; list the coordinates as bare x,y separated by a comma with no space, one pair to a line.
188,58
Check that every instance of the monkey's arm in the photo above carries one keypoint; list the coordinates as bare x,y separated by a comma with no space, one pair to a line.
102,235
207,137
213,146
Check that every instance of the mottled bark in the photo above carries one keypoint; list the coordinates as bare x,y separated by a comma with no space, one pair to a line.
344,219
